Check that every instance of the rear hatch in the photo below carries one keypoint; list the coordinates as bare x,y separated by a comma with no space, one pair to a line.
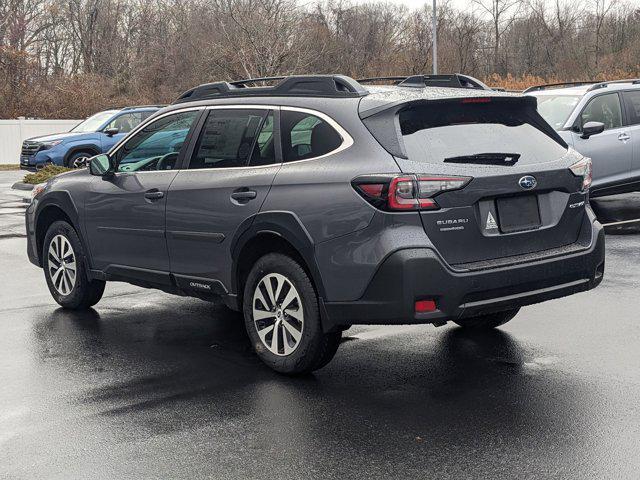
521,198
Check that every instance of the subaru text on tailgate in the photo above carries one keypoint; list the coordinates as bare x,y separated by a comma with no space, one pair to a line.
318,203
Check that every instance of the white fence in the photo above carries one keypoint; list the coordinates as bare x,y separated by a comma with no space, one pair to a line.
13,132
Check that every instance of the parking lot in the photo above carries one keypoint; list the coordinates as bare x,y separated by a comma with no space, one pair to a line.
150,385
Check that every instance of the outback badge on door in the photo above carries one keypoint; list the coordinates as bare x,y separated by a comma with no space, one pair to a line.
528,182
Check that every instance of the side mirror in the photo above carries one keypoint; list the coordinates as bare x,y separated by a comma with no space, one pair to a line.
110,132
100,165
591,128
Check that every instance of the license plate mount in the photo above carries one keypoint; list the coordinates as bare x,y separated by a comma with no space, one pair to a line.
518,214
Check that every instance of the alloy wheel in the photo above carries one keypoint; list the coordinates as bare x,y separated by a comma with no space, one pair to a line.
62,264
80,162
278,314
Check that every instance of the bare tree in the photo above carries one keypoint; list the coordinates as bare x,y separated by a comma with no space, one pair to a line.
259,37
502,16
601,10
72,57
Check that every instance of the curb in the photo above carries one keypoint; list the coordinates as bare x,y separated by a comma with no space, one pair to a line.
22,186
632,228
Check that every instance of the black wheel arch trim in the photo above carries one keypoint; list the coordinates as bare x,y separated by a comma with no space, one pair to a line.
89,148
284,224
62,200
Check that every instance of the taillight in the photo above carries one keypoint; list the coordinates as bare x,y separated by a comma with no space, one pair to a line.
584,169
402,195
406,192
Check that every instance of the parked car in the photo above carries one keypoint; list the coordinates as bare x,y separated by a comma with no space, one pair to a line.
320,203
97,134
602,121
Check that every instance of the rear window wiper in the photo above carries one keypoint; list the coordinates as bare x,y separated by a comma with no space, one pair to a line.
506,159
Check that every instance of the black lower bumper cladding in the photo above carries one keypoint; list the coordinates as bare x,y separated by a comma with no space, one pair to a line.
419,273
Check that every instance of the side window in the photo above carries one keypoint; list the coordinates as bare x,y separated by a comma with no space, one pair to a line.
145,115
264,152
306,136
632,105
605,109
235,138
157,145
126,122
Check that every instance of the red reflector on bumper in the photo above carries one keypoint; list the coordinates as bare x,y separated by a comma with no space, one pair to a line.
424,306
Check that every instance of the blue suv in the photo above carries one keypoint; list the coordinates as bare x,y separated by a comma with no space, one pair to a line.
97,134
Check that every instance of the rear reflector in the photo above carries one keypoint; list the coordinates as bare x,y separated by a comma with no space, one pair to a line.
425,306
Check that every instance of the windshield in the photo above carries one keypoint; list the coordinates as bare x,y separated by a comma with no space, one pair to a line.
555,109
93,123
477,133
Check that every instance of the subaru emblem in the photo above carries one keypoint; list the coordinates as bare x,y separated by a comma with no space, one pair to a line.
528,182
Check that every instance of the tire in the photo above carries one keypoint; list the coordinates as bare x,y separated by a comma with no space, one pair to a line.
295,314
74,160
67,275
488,320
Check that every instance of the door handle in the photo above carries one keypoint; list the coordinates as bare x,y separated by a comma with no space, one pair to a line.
244,195
154,194
623,137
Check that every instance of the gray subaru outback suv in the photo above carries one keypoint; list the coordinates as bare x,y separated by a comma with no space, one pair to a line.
319,203
601,120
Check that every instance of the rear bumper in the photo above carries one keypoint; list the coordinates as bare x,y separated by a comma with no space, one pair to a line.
419,273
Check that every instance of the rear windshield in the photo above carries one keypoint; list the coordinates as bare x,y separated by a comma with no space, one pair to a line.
477,133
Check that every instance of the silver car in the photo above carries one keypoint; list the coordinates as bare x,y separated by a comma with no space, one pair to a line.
601,121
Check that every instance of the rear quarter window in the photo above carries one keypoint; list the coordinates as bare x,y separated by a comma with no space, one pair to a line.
455,131
632,105
306,136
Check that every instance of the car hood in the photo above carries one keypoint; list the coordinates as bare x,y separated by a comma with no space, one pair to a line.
58,136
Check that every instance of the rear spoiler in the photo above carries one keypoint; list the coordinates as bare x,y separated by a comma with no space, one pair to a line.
384,125
462,95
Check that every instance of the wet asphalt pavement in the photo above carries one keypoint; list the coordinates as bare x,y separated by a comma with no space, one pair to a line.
149,385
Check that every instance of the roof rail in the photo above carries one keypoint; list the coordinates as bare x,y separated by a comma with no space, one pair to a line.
396,80
143,106
604,84
248,81
328,86
536,88
455,80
